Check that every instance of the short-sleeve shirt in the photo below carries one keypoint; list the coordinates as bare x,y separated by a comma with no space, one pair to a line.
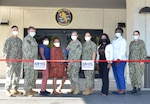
46,51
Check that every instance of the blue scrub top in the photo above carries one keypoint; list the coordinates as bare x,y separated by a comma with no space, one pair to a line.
46,51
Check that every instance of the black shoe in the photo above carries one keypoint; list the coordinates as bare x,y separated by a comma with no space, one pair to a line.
47,92
43,93
133,91
138,92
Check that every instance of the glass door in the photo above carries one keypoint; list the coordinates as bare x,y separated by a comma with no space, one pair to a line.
65,37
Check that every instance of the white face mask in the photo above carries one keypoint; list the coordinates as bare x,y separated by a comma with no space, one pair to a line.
135,37
74,37
46,42
87,38
57,44
32,34
15,33
118,35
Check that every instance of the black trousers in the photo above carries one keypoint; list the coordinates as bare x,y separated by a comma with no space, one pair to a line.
104,73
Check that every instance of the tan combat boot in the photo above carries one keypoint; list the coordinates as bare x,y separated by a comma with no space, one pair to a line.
72,90
91,90
16,92
34,92
8,93
87,91
76,91
28,93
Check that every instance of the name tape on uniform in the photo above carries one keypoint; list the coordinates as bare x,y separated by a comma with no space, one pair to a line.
40,64
87,65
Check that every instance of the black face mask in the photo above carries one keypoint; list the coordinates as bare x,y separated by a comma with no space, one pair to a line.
104,40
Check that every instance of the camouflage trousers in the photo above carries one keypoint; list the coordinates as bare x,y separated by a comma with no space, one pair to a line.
136,72
13,76
35,78
73,74
30,77
89,76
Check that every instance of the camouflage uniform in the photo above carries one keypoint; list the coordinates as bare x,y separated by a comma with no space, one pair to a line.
13,50
75,50
137,51
88,49
30,52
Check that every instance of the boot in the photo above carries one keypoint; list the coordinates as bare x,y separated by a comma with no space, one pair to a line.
132,91
28,93
91,90
87,91
76,91
33,92
72,90
138,92
8,93
16,92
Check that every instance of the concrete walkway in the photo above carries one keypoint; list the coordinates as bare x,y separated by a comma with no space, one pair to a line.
95,98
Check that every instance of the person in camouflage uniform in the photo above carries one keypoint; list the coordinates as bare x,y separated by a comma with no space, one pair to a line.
75,50
30,52
89,53
137,51
13,50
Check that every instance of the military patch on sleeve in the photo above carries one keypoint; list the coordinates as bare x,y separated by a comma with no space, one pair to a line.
78,46
29,41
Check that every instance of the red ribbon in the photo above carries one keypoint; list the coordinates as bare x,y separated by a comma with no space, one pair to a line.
22,60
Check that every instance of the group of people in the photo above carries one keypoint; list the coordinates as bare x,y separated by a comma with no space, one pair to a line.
113,53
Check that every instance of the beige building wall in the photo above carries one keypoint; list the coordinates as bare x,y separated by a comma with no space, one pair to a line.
83,18
137,21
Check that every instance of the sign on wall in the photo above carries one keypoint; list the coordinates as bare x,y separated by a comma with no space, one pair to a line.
64,17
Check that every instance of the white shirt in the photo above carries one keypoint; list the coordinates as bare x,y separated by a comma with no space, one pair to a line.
119,48
108,53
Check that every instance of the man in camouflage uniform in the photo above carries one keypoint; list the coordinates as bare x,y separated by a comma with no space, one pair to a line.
13,50
137,51
89,53
75,50
30,52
